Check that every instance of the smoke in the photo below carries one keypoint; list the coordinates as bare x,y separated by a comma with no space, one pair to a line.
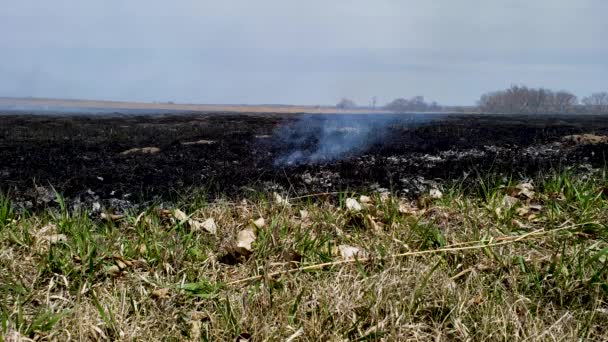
316,139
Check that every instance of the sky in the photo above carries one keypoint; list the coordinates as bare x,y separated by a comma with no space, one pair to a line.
311,52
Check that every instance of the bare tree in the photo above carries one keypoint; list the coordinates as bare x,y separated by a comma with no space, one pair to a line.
524,100
564,102
346,104
596,103
415,104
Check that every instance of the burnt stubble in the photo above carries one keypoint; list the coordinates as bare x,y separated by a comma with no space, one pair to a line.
85,158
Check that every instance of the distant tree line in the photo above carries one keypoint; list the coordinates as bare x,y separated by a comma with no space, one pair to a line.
596,103
518,99
414,104
524,100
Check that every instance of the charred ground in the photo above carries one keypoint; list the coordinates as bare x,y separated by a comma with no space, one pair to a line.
85,158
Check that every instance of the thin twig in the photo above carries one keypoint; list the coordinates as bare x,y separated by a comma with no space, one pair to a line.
505,241
315,195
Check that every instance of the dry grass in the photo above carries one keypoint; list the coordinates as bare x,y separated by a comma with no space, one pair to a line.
501,269
254,109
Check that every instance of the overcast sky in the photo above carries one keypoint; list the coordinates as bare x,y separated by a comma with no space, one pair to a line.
299,52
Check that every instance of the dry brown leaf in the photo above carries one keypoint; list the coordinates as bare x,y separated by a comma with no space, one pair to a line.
180,215
259,223
245,239
436,194
365,199
353,205
509,201
54,238
407,209
49,228
278,199
164,213
523,211
350,252
113,271
304,214
525,189
585,139
209,225
160,293
122,263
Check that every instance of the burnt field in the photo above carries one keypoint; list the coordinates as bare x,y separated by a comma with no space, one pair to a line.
120,161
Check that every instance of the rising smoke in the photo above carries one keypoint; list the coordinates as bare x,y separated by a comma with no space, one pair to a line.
317,139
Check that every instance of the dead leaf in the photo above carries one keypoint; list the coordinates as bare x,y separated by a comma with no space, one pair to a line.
559,196
365,199
55,238
476,300
164,213
407,209
509,202
143,150
113,271
259,223
244,240
436,194
121,262
210,226
353,205
51,227
278,199
585,139
161,293
350,252
523,211
303,214
525,189
180,215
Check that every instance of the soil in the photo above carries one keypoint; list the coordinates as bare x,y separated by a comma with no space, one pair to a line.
118,161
